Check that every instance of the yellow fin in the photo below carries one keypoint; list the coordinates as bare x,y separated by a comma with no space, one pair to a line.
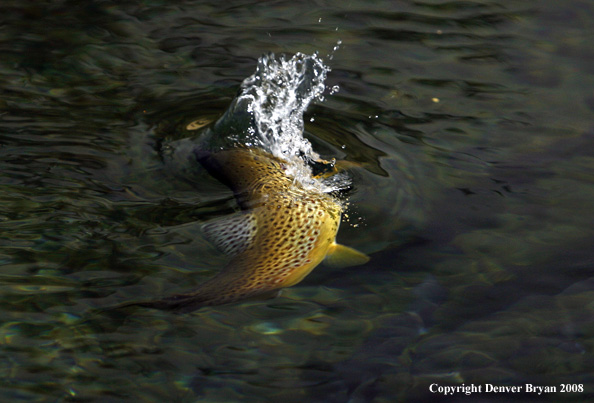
343,256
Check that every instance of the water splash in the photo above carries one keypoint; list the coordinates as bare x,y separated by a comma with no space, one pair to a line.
276,96
268,113
281,91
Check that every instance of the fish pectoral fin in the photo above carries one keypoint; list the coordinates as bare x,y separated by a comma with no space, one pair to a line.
233,234
338,167
343,256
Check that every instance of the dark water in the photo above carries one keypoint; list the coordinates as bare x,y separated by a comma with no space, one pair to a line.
470,126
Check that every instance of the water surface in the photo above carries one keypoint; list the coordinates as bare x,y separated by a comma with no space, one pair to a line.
468,127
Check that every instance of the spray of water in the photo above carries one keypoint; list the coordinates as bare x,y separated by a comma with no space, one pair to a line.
268,113
279,92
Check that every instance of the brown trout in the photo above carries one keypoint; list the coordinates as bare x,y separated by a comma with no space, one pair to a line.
282,233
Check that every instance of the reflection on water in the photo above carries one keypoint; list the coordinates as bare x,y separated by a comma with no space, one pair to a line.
467,127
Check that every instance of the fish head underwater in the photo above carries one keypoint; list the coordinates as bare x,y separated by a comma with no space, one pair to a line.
283,231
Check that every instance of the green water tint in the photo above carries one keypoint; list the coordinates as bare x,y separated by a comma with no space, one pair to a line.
478,207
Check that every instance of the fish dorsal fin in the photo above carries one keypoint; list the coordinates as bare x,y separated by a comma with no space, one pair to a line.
343,256
233,234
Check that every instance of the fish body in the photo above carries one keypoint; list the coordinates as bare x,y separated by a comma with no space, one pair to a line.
282,233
